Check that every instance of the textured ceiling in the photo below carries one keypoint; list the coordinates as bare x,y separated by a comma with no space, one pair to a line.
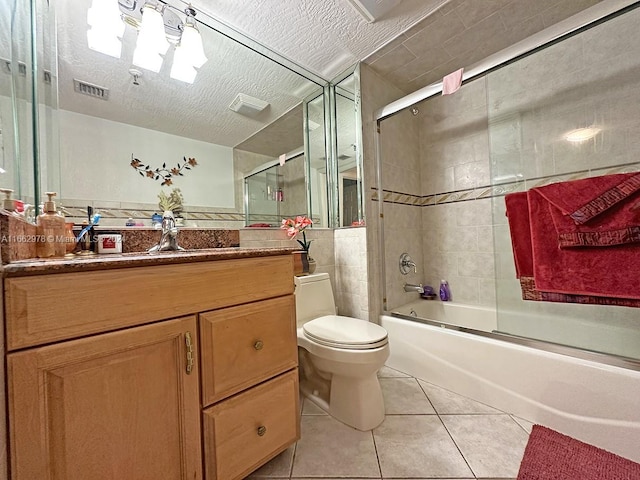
412,45
325,36
463,32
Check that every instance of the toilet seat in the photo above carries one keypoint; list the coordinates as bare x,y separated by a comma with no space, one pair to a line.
345,332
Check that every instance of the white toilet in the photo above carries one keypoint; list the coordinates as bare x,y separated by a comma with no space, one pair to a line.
339,356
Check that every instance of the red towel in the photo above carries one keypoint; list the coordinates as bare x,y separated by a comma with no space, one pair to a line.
605,272
518,214
519,227
599,211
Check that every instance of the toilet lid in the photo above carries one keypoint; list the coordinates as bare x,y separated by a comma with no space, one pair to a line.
345,332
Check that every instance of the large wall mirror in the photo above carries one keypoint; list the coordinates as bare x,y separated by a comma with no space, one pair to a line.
99,109
238,110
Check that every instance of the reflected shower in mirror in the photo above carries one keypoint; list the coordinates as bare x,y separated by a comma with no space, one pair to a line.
347,170
316,148
275,191
348,156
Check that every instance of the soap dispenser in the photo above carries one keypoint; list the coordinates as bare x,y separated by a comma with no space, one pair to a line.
50,231
8,203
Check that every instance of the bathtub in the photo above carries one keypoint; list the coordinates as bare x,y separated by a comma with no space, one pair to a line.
591,401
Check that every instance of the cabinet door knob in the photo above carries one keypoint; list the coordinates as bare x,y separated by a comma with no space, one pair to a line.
262,430
258,345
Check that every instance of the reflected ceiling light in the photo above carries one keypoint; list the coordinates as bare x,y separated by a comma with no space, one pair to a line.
158,27
582,134
152,42
181,69
189,53
106,27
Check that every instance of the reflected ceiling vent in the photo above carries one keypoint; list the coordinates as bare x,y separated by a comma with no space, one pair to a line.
371,10
91,90
247,105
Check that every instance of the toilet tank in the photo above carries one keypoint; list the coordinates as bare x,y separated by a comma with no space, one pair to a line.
314,297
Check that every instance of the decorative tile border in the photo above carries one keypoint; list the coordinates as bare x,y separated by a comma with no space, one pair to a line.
491,191
77,212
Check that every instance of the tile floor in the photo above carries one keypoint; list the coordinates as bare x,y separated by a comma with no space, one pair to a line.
428,433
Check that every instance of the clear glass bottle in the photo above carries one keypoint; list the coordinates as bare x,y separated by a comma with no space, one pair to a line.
50,231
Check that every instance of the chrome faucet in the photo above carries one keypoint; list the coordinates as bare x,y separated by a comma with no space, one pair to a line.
169,237
408,287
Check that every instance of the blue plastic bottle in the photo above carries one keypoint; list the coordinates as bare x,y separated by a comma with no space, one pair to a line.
445,293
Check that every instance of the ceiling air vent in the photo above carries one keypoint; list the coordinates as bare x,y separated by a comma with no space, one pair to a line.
89,89
371,10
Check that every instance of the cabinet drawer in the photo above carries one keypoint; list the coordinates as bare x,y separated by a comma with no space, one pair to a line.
245,345
247,430
47,308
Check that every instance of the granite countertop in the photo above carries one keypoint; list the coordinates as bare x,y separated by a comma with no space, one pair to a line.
137,259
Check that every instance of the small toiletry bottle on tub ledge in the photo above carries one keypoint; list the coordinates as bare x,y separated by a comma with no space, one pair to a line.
445,293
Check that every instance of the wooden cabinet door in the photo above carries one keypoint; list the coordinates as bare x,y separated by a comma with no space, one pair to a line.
117,406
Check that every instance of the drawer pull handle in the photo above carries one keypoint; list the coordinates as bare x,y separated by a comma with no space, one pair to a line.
258,345
262,430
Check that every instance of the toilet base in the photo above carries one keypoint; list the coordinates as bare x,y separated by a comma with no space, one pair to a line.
355,400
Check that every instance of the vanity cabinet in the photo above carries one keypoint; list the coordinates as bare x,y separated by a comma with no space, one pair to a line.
118,405
174,367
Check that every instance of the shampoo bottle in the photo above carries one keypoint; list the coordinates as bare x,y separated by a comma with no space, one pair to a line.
445,293
50,231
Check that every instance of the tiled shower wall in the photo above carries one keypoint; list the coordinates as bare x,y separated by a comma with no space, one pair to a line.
375,93
441,148
457,236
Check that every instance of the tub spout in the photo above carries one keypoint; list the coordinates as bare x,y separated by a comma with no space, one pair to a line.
408,287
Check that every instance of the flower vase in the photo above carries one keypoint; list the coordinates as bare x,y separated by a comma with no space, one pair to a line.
312,264
300,263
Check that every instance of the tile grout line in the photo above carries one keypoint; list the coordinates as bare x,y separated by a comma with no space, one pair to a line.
447,430
375,448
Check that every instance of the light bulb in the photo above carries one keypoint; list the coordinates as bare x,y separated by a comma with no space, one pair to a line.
182,70
152,42
106,29
191,44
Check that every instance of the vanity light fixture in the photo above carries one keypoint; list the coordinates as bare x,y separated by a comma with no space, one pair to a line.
158,27
582,134
106,27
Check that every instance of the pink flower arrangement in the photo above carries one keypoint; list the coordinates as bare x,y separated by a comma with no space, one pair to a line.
294,227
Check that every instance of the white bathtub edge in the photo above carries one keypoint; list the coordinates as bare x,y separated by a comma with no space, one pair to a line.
593,402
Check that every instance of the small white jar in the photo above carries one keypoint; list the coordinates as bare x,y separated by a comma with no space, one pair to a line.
111,243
